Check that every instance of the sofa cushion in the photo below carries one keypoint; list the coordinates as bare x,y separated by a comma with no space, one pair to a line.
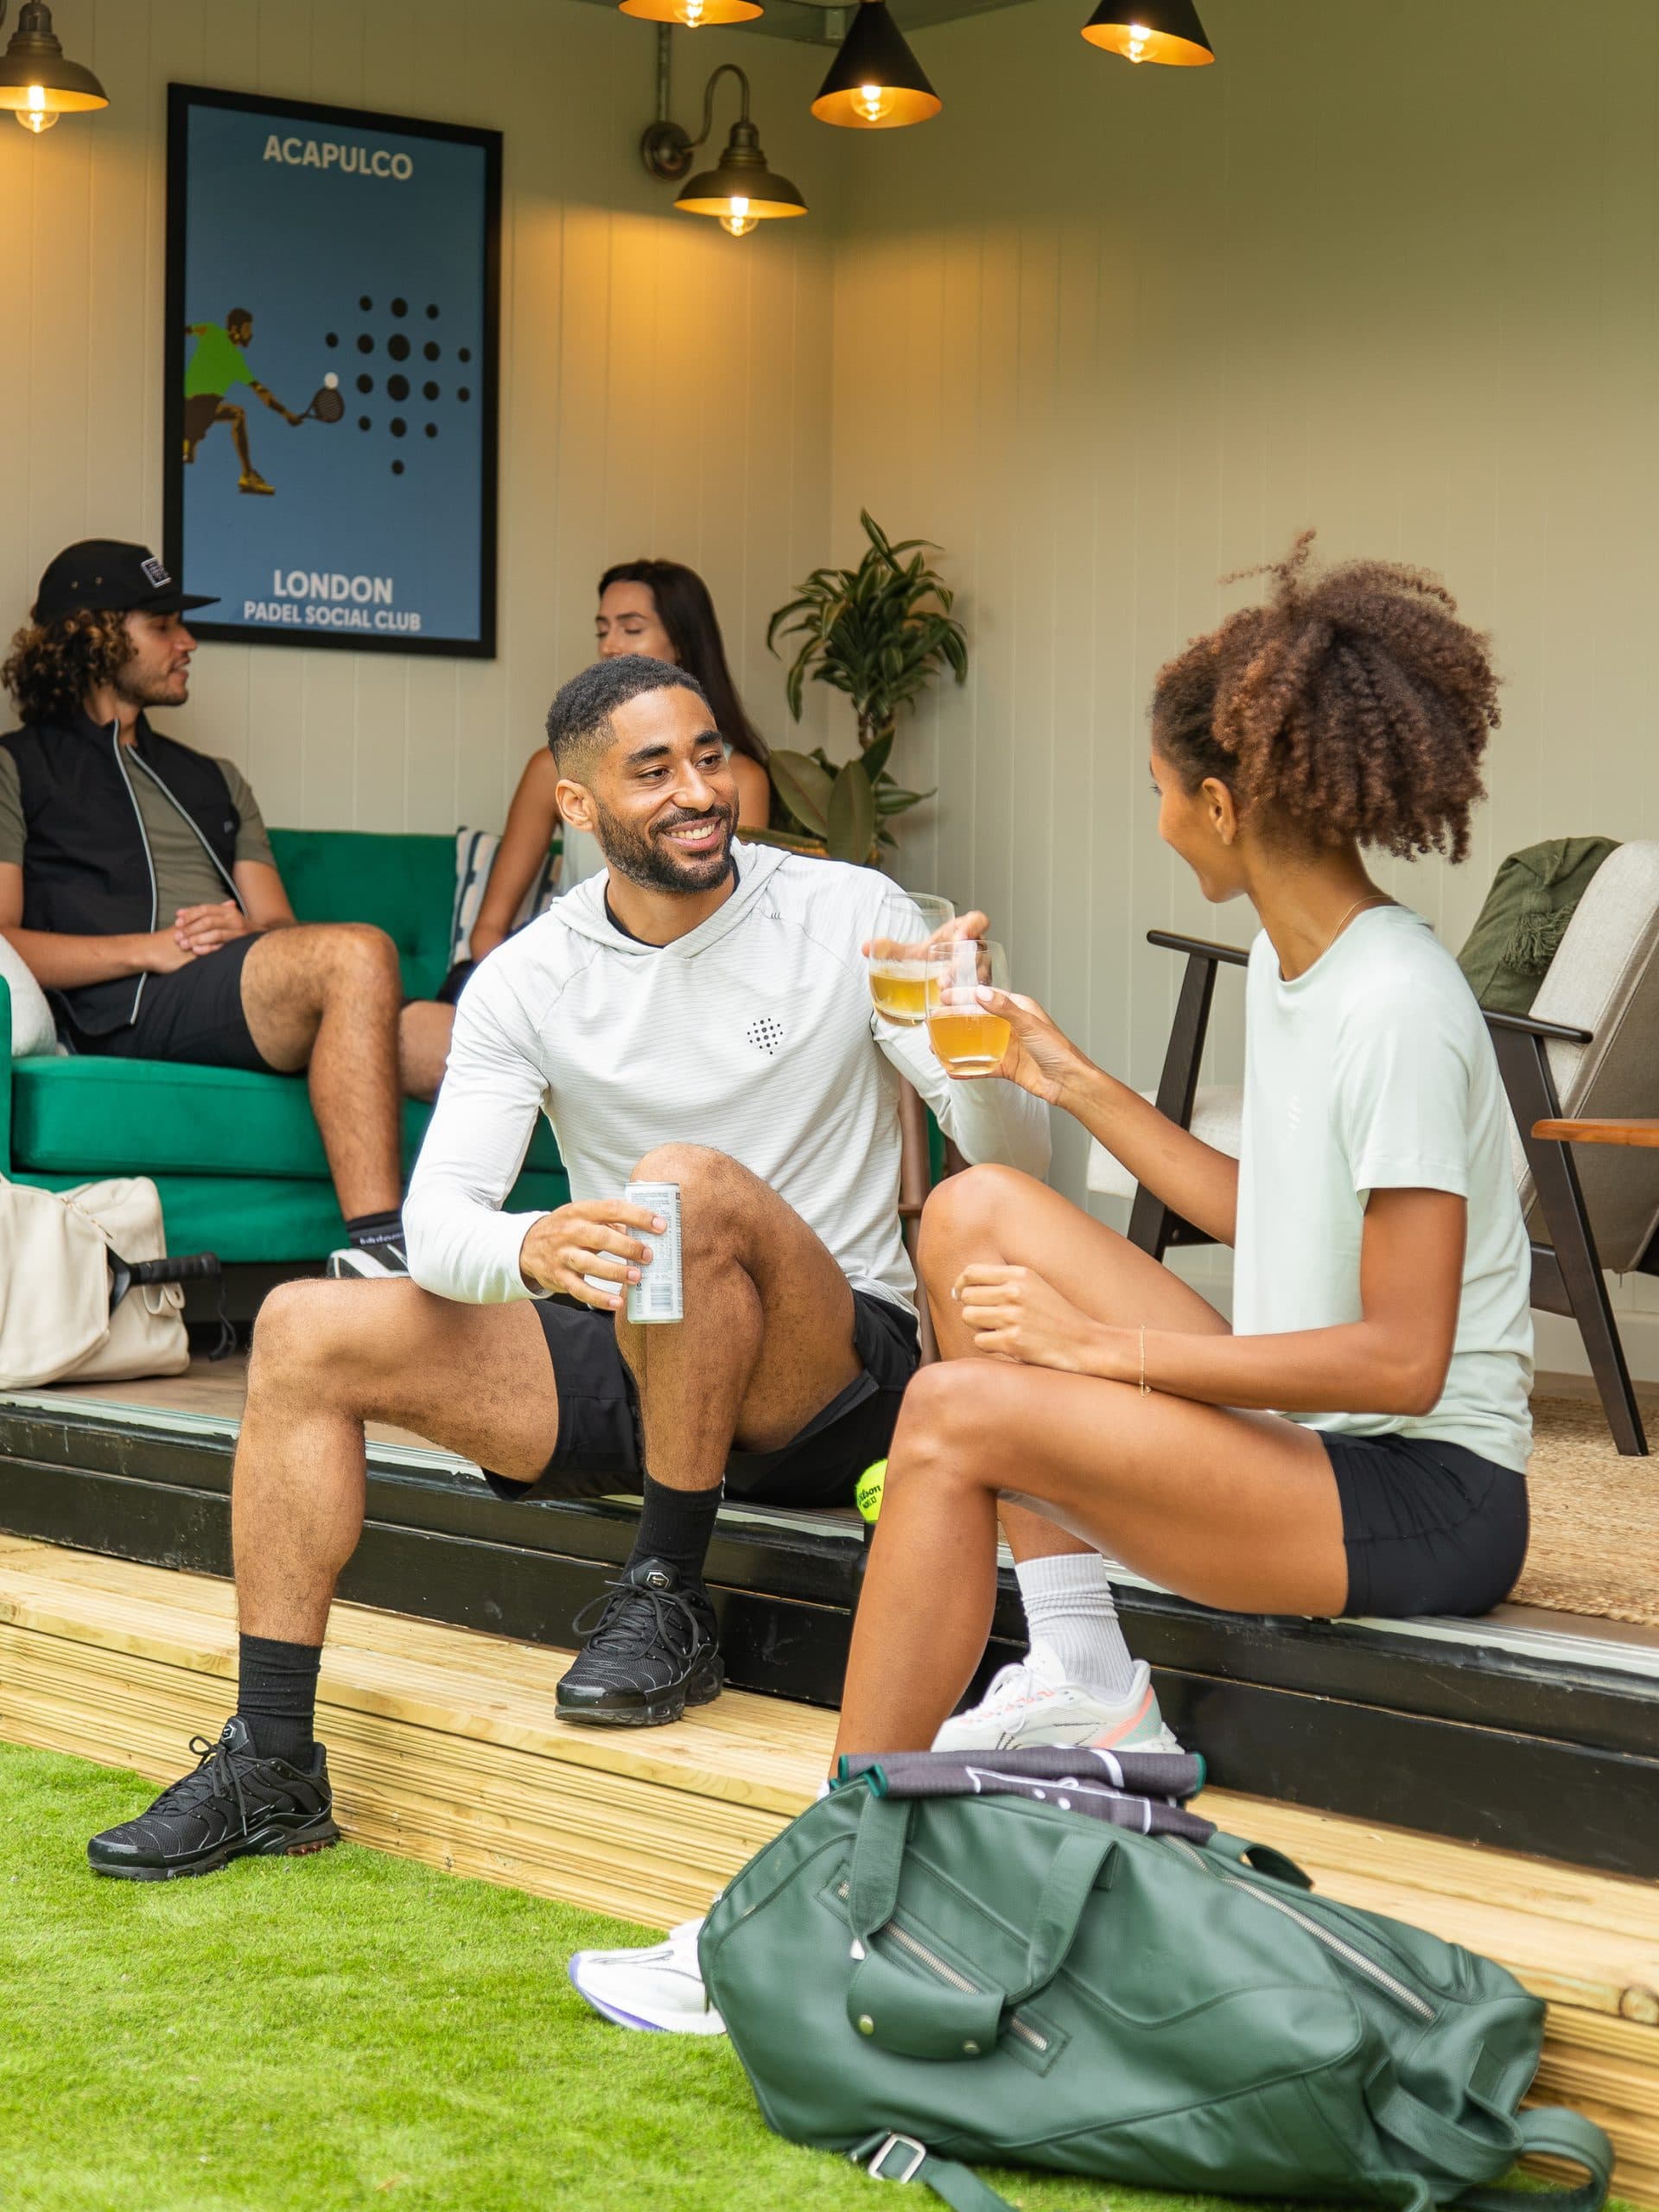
404,883
87,1117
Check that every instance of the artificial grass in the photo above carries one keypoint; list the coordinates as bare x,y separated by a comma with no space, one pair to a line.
353,2030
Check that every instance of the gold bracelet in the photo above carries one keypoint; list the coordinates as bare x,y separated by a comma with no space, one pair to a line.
1145,1387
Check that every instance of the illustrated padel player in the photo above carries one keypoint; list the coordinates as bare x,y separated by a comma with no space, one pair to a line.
218,362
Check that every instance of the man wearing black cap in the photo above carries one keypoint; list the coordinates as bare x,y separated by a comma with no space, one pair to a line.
138,882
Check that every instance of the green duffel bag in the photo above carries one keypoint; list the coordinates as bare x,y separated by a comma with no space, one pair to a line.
996,1980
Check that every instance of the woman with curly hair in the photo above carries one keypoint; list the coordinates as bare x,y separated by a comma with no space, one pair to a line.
1357,1441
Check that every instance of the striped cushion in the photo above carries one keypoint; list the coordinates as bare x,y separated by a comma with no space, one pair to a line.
475,852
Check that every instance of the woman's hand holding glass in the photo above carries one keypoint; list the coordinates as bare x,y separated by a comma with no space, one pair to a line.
1038,1056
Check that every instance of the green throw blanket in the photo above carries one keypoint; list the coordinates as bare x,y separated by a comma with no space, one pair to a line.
1518,932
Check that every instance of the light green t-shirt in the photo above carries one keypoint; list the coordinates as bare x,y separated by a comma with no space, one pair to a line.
1374,1071
216,364
185,876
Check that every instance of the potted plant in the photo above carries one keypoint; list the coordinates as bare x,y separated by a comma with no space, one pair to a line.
879,632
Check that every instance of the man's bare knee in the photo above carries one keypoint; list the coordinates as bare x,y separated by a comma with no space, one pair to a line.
361,956
716,1195
327,1340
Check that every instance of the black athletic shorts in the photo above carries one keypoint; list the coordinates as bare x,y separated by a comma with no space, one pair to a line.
598,1449
195,1013
1428,1527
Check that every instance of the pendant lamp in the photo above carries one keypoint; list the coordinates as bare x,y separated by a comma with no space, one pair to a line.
875,82
36,83
691,15
1151,30
741,191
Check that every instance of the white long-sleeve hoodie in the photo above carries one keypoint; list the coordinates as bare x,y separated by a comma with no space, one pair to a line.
754,1035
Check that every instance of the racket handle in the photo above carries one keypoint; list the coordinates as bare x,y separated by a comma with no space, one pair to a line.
191,1266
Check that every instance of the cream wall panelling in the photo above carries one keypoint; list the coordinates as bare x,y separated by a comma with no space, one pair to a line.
664,388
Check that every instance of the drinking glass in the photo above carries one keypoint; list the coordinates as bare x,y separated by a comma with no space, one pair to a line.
905,929
967,1037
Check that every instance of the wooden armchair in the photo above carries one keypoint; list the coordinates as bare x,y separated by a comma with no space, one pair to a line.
1590,1046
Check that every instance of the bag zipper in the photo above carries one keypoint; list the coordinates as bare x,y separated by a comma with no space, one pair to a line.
1346,1952
946,1973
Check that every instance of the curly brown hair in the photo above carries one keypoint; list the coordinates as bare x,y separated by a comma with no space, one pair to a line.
1353,703
52,665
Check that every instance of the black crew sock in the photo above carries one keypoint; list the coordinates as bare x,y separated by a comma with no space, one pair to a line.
277,1697
675,1526
365,1230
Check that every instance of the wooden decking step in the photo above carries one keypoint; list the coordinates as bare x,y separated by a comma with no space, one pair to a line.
445,1745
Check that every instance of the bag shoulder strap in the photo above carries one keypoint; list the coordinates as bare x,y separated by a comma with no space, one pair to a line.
901,2158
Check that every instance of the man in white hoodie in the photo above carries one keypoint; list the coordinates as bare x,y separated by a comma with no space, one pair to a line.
698,1015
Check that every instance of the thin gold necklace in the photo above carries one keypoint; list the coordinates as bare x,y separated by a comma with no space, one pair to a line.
1370,898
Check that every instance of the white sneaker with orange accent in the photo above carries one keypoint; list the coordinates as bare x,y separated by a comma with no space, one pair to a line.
1032,1703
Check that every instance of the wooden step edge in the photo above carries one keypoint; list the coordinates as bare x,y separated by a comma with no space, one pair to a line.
405,1691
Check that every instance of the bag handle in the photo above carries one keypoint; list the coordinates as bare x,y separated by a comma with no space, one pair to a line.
1262,1856
1547,2131
1554,2131
919,2019
1076,1866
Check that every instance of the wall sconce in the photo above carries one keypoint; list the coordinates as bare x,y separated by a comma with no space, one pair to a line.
36,83
741,191
1151,30
875,82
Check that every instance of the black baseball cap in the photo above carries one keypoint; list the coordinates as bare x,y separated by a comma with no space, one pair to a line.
106,574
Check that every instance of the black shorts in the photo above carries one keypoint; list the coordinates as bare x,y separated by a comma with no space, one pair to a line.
598,1449
1428,1527
201,413
195,1013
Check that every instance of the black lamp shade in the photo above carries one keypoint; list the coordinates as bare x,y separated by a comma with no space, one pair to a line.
875,82
1151,30
743,190
35,64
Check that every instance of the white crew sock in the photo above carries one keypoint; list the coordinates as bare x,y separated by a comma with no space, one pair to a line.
1070,1610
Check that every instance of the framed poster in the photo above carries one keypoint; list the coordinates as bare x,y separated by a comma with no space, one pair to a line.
332,305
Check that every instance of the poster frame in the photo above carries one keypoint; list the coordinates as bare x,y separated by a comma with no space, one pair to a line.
180,100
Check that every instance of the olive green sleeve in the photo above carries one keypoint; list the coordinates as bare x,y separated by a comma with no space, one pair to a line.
13,831
252,843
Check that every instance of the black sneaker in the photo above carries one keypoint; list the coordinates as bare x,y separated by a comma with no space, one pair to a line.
236,1805
654,1650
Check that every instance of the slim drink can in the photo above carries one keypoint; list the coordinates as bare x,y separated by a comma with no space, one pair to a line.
657,1295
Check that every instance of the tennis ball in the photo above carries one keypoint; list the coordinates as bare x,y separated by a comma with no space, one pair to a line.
867,1494
332,381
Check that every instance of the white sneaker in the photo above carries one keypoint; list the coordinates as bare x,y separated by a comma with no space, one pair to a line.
373,1262
1032,1703
659,1989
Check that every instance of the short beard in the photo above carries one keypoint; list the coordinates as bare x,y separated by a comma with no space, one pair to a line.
647,860
134,691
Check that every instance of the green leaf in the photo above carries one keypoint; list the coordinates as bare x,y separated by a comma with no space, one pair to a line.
804,789
852,814
889,799
876,755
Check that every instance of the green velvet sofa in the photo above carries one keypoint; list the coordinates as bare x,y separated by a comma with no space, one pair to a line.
237,1157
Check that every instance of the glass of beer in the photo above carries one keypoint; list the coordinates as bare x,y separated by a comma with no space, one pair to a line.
905,929
967,1037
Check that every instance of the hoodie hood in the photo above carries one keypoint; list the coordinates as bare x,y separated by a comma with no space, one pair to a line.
582,911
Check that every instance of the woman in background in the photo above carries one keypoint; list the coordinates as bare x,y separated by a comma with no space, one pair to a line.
662,609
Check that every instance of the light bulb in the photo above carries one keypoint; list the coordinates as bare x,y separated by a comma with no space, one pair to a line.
693,13
1140,37
739,222
871,102
37,116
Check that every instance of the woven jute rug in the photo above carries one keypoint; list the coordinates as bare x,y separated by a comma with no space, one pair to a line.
1595,1517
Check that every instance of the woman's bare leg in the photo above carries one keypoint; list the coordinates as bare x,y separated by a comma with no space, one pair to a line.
998,1215
1235,1510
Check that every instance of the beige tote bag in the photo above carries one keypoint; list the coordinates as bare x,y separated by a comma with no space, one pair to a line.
55,1321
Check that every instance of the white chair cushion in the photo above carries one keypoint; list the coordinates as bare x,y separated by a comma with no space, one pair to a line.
34,1033
1217,1112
